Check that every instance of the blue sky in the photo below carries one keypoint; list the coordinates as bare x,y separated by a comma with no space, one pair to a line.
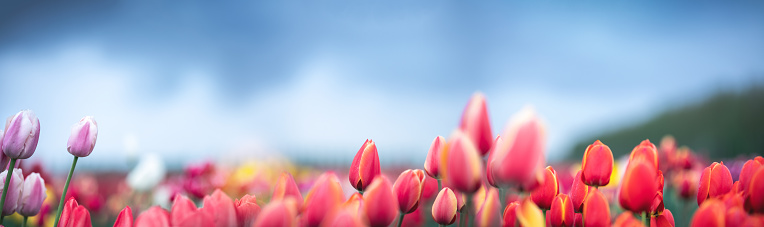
313,80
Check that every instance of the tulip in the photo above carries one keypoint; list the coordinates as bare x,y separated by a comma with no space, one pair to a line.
562,211
528,214
638,186
343,217
665,219
83,137
682,159
355,203
716,180
463,164
153,217
430,188
246,210
657,206
125,218
756,187
476,125
578,192
32,195
408,189
431,163
597,164
382,209
596,210
710,213
185,213
278,213
626,219
544,195
221,207
365,166
509,217
444,209
488,215
687,184
746,173
735,216
733,199
647,151
22,131
579,220
488,166
286,187
519,159
12,189
324,197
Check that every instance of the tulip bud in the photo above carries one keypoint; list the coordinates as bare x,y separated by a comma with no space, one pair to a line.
528,214
686,183
578,192
221,207
638,186
381,210
562,211
185,213
476,125
431,163
626,219
365,166
721,178
14,190
278,213
246,210
488,172
746,173
444,208
323,197
286,187
74,215
710,213
408,189
756,187
519,159
544,194
125,218
32,195
509,218
735,216
488,215
596,210
83,137
153,217
464,168
597,164
646,151
22,131
682,159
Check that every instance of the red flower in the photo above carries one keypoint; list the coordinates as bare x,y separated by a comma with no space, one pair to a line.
638,186
324,197
287,188
597,164
247,210
153,217
463,165
381,203
278,213
510,215
408,189
716,180
562,211
185,213
365,166
578,193
709,214
125,218
756,187
519,160
544,194
74,215
221,207
596,210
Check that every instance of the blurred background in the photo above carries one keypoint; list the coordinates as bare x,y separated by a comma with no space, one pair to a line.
311,80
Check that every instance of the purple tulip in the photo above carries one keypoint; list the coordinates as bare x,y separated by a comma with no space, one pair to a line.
14,190
32,195
83,137
22,131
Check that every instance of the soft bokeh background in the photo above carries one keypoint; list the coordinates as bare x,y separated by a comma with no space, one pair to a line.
311,80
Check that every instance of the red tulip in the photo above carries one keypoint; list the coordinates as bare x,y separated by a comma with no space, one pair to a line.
647,151
716,180
579,220
638,186
666,219
365,166
686,183
626,219
681,159
528,214
578,192
444,209
562,211
597,164
476,125
488,215
544,194
756,189
221,207
125,218
381,209
153,217
734,217
278,213
463,166
519,159
286,187
510,215
710,213
596,209
732,199
432,161
247,210
408,189
324,197
185,213
657,205
74,215
746,173
488,172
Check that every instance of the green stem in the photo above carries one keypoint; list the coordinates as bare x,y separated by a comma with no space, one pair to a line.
63,196
468,207
503,197
645,220
442,225
440,186
400,219
24,223
5,186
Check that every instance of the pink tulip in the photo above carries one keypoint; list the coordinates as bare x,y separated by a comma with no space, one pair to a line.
278,213
153,217
444,209
431,163
221,207
578,192
287,188
408,189
463,166
14,190
476,125
32,195
489,164
125,218
381,203
185,213
325,196
544,195
83,137
519,159
247,210
365,166
22,131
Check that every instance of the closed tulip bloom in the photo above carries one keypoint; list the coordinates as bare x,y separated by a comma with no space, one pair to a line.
638,186
382,204
14,190
716,180
509,217
125,218
32,195
222,208
489,213
323,197
365,166
746,173
686,183
465,168
647,151
476,125
444,209
519,159
710,214
74,215
185,213
71,204
578,192
286,187
246,210
431,163
22,132
562,211
528,214
408,189
83,137
734,217
277,213
596,210
544,194
153,217
597,164
626,219
489,163
756,187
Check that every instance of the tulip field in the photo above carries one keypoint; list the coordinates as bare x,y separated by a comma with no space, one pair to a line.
474,176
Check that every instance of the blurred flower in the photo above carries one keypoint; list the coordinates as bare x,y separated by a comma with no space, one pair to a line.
125,218
545,193
429,189
626,219
756,189
578,192
746,173
408,189
596,210
278,213
380,202
355,202
247,210
444,208
185,213
149,172
14,190
528,214
221,207
562,211
488,172
153,217
325,196
666,219
735,216
489,215
683,158
365,166
657,205
509,218
519,159
716,180
82,140
74,215
463,168
33,195
431,163
579,220
476,125
287,188
343,217
22,132
710,214
597,164
686,183
638,186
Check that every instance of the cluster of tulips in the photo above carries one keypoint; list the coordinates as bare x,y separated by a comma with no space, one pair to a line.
471,178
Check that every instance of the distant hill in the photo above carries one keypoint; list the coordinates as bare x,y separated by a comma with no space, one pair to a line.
726,125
